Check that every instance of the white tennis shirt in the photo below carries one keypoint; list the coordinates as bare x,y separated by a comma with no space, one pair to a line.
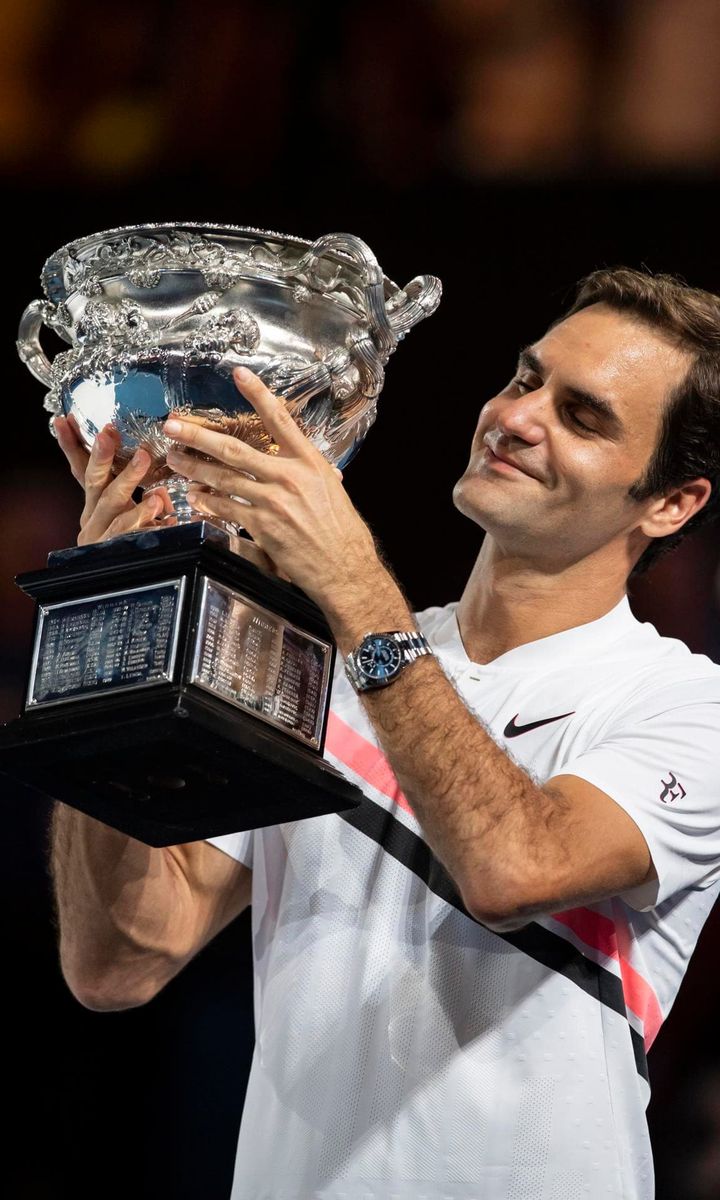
403,1051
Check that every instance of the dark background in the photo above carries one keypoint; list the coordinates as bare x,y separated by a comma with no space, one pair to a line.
508,147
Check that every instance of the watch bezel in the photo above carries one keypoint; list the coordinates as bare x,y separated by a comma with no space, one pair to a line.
397,666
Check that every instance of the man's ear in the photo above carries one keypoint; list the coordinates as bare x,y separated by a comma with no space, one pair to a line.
669,513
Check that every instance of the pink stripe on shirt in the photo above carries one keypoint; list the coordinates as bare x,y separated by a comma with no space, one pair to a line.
600,933
597,931
364,758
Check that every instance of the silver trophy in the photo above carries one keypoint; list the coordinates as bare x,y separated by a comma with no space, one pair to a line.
157,316
168,646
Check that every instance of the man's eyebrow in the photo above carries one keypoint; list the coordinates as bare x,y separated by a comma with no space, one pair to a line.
530,360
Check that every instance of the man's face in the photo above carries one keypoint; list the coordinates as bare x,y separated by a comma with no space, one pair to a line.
555,453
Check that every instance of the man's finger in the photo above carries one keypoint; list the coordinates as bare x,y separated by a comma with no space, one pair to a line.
215,475
99,472
222,447
141,516
166,505
74,452
103,504
273,413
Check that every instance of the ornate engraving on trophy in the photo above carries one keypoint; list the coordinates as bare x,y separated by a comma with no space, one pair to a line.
157,316
262,663
105,643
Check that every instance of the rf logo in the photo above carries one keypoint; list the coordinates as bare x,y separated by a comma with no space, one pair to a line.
672,790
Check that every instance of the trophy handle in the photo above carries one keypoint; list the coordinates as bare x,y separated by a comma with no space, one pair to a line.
389,321
417,300
28,343
371,274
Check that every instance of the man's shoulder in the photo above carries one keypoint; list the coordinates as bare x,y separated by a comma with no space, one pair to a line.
654,654
654,673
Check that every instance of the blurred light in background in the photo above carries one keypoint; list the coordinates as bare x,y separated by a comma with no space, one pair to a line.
484,88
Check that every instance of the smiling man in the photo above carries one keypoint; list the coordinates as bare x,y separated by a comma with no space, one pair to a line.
456,984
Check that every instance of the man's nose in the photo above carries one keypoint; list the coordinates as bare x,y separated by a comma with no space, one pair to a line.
524,417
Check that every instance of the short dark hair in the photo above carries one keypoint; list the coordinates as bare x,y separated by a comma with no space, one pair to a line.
689,443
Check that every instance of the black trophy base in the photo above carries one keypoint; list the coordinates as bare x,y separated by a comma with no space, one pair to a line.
172,768
139,710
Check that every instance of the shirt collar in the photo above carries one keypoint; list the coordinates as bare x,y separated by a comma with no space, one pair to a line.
570,643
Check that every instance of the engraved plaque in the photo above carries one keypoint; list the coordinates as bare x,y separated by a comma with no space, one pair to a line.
105,643
177,692
260,662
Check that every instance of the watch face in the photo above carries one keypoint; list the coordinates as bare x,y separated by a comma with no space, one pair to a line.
379,658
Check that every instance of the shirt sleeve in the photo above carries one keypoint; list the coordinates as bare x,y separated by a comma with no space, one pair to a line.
238,845
661,764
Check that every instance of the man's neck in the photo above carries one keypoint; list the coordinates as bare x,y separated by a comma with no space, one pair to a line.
508,603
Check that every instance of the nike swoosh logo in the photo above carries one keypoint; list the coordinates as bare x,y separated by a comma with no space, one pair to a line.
512,730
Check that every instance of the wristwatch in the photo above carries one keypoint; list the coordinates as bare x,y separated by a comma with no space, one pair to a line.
380,657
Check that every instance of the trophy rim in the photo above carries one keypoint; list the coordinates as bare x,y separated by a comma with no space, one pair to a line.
52,267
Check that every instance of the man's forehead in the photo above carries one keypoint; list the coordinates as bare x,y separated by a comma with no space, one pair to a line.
623,353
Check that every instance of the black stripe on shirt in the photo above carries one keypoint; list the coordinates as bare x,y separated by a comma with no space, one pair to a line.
550,949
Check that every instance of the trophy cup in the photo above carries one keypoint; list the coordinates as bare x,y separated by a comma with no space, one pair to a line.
177,691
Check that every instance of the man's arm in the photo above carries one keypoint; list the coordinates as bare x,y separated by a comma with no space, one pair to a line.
513,848
131,916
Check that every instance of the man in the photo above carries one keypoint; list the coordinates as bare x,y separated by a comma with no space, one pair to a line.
456,984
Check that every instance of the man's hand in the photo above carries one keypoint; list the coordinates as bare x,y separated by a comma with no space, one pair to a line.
292,504
109,508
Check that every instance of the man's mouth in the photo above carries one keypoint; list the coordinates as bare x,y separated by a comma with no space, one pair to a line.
496,458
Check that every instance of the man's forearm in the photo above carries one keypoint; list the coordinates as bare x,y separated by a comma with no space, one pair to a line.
481,813
117,902
490,825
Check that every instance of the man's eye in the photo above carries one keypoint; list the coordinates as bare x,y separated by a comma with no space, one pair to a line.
523,385
572,413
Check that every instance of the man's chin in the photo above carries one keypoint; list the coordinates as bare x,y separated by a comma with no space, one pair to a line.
464,505
504,524
481,511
